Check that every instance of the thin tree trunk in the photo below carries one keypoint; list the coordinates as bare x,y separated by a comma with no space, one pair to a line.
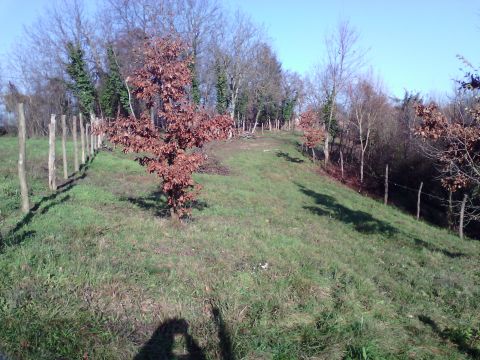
313,154
82,137
52,182
22,174
462,216
64,147
75,145
418,200
385,200
262,128
450,210
326,148
362,160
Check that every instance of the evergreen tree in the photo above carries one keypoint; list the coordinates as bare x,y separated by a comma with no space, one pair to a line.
195,83
287,109
326,108
82,85
222,89
114,94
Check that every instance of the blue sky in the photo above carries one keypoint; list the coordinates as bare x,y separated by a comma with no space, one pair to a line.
412,44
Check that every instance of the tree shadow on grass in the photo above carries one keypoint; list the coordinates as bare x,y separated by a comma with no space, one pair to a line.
361,221
450,334
434,248
156,202
15,237
162,343
290,158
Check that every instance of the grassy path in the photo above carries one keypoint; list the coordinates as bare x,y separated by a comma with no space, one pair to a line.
277,262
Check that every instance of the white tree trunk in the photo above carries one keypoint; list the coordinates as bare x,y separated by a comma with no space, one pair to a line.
22,174
52,182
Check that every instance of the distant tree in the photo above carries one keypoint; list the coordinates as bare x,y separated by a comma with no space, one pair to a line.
162,83
313,134
114,94
82,84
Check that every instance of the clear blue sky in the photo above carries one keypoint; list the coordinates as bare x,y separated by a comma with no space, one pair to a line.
412,43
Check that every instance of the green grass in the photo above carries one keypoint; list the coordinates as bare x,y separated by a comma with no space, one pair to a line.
278,263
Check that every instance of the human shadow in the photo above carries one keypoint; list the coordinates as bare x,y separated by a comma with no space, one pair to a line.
156,202
449,334
290,158
161,344
361,221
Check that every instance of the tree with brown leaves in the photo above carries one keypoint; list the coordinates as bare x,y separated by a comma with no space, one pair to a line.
162,83
313,134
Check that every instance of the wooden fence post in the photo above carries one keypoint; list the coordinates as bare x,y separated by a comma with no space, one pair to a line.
75,146
385,200
341,165
52,182
418,200
82,137
87,138
22,174
64,147
462,216
92,137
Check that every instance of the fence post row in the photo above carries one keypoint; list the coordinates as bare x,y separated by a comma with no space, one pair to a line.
22,159
64,147
52,182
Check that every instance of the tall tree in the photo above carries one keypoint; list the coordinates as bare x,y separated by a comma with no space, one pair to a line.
114,94
222,89
81,85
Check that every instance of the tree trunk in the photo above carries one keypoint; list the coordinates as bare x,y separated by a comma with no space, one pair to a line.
362,161
462,215
326,148
52,182
64,147
418,200
22,174
256,120
82,137
450,210
313,154
385,200
75,145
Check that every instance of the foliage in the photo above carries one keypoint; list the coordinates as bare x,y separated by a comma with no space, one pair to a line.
195,83
165,76
82,85
313,134
222,89
114,95
459,150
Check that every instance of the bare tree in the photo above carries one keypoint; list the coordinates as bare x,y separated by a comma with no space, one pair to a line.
343,60
366,103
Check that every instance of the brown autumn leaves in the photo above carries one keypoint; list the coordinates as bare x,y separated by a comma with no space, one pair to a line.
162,83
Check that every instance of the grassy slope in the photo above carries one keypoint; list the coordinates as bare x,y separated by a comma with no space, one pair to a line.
96,268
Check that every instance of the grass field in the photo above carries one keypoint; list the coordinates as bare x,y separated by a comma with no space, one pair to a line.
277,262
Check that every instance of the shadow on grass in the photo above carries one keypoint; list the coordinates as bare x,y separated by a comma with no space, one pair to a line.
434,248
15,237
162,343
455,336
156,202
362,222
290,158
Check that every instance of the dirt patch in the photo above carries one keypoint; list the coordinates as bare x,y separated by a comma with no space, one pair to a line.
213,166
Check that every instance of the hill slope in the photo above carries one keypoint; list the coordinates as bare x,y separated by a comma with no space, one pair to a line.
277,262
